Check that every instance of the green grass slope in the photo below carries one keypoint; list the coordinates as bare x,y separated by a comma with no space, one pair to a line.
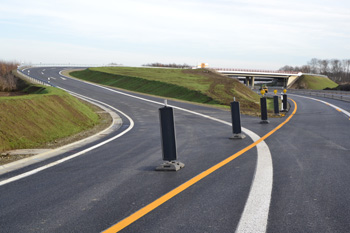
313,83
200,85
47,114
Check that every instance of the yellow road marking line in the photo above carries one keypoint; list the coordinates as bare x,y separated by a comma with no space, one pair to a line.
338,110
153,205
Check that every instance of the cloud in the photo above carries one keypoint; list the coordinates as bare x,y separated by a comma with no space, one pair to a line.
277,31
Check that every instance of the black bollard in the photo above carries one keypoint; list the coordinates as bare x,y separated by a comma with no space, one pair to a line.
276,105
284,103
263,111
236,121
167,130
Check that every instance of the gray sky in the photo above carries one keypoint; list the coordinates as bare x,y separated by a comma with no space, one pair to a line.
234,34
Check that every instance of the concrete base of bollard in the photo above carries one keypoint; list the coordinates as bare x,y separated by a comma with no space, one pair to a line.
170,166
237,136
264,122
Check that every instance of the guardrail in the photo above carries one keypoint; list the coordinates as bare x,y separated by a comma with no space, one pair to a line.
32,79
338,95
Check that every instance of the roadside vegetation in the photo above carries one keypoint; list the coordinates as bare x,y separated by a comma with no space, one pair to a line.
8,81
43,115
337,70
31,116
195,85
313,82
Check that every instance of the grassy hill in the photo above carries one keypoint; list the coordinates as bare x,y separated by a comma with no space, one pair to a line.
313,82
199,85
41,116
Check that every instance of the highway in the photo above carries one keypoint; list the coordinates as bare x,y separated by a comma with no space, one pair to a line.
93,192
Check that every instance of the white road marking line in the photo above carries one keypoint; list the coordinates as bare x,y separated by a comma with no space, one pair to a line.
63,78
256,211
329,104
34,171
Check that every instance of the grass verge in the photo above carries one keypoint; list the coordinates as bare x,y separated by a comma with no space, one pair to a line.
200,85
43,116
313,82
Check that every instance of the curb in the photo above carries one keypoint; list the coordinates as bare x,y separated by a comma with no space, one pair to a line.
115,125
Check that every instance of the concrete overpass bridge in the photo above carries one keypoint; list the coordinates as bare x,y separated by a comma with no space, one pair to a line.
250,77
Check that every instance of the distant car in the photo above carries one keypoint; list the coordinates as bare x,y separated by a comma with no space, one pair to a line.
264,88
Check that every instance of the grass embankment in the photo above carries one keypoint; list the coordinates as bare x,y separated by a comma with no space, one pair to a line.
313,83
44,115
200,85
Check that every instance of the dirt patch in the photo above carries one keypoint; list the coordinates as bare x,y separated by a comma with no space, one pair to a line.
11,94
6,158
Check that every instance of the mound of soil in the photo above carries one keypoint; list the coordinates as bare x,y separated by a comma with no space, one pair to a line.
11,93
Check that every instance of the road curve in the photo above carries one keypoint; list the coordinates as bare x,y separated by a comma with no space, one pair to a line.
92,192
95,190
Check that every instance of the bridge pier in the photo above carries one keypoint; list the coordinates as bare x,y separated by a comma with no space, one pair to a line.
249,81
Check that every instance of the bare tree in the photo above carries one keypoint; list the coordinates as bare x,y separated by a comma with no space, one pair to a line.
336,70
346,70
8,82
313,66
306,69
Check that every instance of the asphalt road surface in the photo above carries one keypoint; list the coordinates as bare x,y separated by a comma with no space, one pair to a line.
95,191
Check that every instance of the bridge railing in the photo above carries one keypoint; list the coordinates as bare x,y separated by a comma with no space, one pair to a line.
256,71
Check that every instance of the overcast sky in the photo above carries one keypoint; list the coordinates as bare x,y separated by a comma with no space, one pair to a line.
234,34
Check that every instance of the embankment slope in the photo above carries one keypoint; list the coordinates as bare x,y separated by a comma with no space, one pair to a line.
199,85
44,115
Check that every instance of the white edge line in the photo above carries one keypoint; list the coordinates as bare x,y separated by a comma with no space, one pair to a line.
256,210
255,215
29,173
329,104
17,164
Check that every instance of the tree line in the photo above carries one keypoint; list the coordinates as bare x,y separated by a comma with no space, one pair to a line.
170,65
337,70
8,82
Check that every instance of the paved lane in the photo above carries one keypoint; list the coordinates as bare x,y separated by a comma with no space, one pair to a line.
311,159
93,192
98,189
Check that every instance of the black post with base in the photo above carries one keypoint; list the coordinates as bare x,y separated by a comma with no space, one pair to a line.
276,104
263,106
236,121
284,101
167,130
